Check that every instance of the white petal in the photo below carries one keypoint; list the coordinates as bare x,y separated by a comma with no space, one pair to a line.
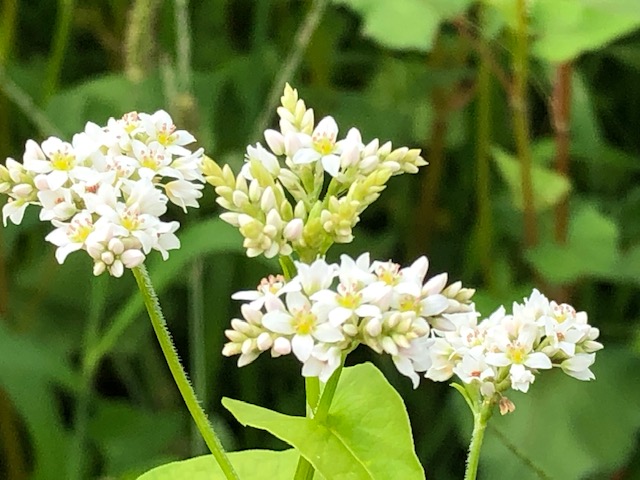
302,345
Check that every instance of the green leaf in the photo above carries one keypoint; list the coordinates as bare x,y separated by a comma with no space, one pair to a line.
404,24
249,465
366,435
565,29
561,414
549,188
591,250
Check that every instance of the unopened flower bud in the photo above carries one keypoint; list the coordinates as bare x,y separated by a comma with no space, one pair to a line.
281,346
293,230
275,140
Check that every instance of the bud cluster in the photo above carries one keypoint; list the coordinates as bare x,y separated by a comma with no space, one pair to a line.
281,201
507,350
106,190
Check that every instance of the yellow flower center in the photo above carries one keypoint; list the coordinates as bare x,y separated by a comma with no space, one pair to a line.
516,353
62,160
409,303
304,321
130,220
79,232
165,134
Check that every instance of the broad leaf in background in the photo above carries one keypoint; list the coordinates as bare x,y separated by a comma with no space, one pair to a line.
249,465
593,424
366,435
99,99
549,188
567,28
393,24
591,250
29,373
564,29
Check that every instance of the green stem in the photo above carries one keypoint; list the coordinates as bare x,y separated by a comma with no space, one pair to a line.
521,121
480,419
197,345
60,40
304,470
483,152
288,267
179,375
312,391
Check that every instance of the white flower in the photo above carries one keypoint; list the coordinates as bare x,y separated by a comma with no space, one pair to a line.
72,236
271,285
183,193
315,277
578,366
304,323
160,127
263,156
321,146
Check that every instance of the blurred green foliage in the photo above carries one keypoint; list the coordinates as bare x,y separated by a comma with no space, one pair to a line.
84,392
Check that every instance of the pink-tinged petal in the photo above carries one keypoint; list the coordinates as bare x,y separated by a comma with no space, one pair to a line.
326,127
327,333
278,322
297,301
538,360
306,155
434,305
497,359
302,346
339,315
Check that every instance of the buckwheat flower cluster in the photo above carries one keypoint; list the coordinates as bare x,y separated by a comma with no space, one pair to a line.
305,190
105,191
508,350
327,310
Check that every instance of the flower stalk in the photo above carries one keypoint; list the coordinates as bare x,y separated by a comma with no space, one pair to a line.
481,417
177,371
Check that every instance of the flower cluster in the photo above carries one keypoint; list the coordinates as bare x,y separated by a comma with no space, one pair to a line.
388,308
106,190
279,200
506,351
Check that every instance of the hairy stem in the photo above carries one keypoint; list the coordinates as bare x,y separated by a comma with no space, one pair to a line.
480,418
177,371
